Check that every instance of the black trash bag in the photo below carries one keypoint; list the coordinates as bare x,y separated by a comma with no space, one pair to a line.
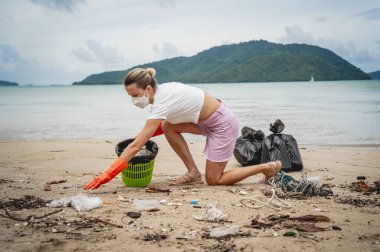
282,147
277,127
150,146
247,150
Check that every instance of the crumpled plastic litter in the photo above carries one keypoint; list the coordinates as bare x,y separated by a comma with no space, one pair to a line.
146,204
212,214
221,232
80,202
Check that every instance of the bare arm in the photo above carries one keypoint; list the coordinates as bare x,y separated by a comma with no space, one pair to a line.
147,132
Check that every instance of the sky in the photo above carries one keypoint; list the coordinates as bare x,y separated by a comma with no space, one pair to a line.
61,41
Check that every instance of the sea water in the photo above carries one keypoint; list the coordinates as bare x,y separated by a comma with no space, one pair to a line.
315,113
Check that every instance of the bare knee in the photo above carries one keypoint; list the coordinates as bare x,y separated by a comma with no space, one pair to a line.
212,181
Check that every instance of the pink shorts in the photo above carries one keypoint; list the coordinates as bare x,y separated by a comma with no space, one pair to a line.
221,129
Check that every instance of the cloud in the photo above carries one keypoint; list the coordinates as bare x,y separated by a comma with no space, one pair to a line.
371,15
94,51
59,5
83,54
322,19
166,50
9,54
347,50
295,33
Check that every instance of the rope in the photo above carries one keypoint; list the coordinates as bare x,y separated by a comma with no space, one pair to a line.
269,203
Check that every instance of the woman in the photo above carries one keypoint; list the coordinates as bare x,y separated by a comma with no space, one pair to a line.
178,108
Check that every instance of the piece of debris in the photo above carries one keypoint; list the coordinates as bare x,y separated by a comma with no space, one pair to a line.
174,204
146,204
334,227
309,228
223,232
157,190
212,215
290,233
361,186
242,192
269,221
47,186
3,181
134,215
123,199
154,237
57,182
311,218
355,201
26,202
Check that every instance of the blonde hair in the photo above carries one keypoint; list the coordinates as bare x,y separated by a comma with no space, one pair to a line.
142,77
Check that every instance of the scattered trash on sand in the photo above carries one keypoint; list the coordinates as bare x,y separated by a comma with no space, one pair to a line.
80,202
212,214
147,205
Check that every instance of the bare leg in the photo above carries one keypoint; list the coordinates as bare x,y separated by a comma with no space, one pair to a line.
216,176
177,142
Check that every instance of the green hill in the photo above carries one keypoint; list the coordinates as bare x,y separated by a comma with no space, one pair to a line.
375,75
7,83
253,61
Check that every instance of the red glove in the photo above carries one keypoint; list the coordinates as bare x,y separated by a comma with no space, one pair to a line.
118,166
159,130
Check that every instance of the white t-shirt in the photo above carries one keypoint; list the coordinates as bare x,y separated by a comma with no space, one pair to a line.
177,103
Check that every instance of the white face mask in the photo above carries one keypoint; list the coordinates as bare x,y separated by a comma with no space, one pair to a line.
140,101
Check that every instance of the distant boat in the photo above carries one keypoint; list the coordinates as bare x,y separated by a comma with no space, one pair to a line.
311,78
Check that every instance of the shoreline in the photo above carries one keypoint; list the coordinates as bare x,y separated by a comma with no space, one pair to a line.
300,146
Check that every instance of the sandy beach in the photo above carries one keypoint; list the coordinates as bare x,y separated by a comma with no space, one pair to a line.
26,168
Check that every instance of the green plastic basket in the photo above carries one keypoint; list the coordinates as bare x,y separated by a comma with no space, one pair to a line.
138,174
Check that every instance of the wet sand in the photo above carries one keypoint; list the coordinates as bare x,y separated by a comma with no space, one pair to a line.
26,167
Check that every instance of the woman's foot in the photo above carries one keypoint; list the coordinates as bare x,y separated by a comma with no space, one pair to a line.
188,179
271,170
